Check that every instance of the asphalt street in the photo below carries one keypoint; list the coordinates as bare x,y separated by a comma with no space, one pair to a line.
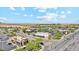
68,43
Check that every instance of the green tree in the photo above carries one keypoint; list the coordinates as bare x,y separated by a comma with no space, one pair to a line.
58,35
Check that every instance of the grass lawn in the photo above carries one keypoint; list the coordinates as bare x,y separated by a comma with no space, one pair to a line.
33,45
57,35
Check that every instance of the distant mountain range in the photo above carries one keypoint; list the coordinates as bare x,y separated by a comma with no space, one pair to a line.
2,23
36,23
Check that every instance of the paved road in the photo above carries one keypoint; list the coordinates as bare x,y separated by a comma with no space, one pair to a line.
4,43
69,43
5,47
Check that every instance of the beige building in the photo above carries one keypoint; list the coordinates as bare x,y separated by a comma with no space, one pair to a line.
44,35
18,40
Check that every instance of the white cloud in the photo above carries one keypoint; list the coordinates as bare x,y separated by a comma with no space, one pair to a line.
62,16
28,15
31,15
12,8
22,8
44,8
16,13
48,17
69,12
62,12
41,9
52,17
25,15
55,8
52,14
2,19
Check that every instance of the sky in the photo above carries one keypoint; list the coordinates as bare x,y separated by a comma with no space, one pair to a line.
39,15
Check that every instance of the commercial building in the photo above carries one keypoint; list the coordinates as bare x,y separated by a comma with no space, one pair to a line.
42,35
